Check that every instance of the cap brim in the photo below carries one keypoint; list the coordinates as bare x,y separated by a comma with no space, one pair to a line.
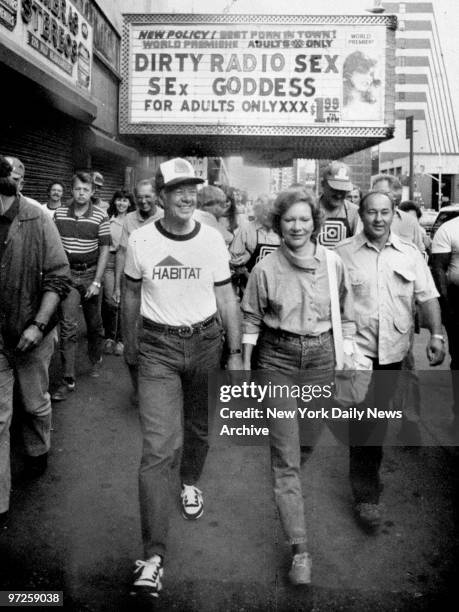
183,181
340,185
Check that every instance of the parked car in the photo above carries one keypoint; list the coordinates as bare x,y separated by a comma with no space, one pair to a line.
445,214
428,219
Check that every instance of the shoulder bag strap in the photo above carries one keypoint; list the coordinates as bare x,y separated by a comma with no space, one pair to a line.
335,310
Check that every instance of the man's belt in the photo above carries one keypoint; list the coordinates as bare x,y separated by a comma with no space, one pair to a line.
184,331
82,267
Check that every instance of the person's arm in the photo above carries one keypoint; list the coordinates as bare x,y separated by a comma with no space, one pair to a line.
230,316
32,336
430,310
439,263
55,284
239,252
120,260
254,305
130,309
346,300
440,260
104,252
94,287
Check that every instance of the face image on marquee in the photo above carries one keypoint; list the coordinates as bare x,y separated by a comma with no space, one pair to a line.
361,88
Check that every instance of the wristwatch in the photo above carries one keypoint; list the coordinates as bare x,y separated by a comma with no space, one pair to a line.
41,326
234,352
439,337
96,284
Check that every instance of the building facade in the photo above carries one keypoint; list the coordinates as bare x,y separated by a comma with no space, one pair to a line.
60,69
423,91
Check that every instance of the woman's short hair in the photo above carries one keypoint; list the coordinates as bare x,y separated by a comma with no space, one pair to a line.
121,193
286,199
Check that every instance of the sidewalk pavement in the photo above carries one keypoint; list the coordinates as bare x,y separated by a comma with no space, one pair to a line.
77,528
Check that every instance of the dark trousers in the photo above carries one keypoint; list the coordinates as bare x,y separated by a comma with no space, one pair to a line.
451,321
69,322
367,436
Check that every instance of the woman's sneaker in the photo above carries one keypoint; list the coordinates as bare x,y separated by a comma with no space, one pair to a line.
300,572
192,502
148,575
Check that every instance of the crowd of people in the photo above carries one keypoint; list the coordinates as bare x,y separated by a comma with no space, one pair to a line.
180,280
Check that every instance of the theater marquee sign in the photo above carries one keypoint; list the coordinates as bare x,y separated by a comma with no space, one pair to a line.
258,75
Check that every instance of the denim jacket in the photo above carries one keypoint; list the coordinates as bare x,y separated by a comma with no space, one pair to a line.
34,262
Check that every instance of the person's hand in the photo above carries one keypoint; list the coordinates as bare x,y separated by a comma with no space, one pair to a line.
30,338
435,351
238,260
234,362
91,291
117,295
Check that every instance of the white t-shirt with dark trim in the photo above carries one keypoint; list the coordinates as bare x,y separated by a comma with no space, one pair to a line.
178,272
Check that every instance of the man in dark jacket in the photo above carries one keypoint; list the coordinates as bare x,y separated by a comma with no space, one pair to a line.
34,277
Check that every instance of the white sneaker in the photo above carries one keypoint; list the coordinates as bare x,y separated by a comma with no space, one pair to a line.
300,572
148,577
192,502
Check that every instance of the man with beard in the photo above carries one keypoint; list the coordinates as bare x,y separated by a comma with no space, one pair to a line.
30,250
341,217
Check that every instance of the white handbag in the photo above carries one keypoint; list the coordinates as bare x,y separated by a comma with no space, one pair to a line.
351,381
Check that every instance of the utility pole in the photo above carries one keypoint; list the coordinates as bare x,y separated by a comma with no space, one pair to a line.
409,135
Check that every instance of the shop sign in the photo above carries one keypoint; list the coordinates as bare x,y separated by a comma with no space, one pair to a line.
264,73
52,33
106,40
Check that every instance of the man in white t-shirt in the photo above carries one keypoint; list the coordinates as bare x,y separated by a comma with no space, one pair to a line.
445,270
177,275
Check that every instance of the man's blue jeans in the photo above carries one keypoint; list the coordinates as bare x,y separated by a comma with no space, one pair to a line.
69,322
173,402
300,360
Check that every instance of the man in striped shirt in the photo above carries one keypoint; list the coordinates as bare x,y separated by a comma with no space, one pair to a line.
85,234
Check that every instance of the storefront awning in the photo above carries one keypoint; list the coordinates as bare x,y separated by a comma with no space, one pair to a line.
60,95
275,151
97,140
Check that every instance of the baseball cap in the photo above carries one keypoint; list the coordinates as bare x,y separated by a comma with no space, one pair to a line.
210,194
18,170
337,175
174,172
98,179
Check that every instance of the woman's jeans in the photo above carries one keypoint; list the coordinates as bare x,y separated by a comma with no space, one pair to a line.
173,399
304,360
110,309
